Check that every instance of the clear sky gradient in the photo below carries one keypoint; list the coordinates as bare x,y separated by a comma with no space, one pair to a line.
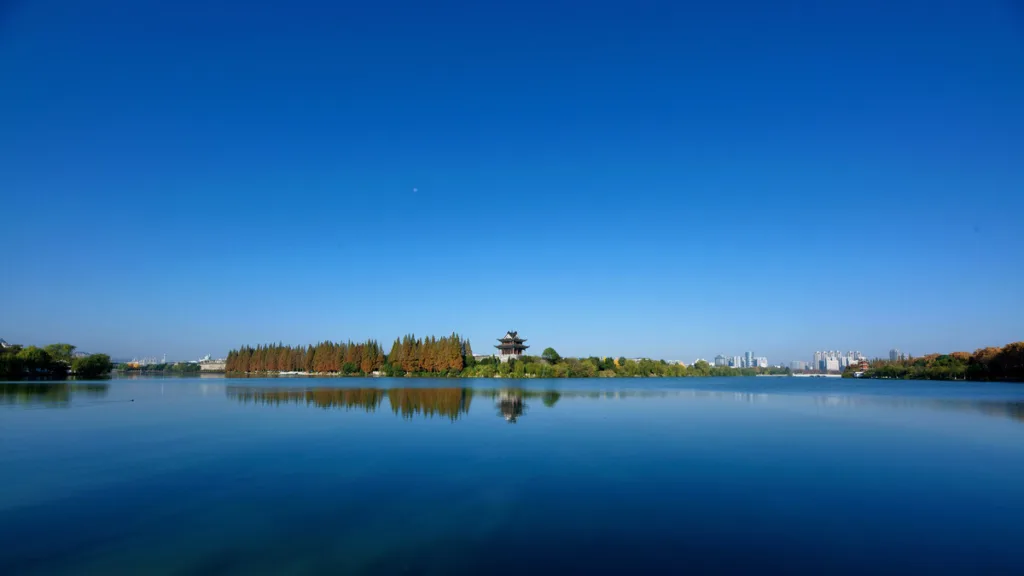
667,179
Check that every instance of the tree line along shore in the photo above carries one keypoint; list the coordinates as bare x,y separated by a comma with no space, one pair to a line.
1004,364
450,356
52,362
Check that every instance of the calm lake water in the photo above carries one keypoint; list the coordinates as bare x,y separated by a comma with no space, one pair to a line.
377,476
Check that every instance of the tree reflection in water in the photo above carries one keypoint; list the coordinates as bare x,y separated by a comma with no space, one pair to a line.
367,399
511,403
406,402
449,402
50,394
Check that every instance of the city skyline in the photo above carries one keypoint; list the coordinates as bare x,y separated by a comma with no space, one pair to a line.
672,180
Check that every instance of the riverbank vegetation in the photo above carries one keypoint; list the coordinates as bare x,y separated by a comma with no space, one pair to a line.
985,364
452,356
594,367
163,368
53,362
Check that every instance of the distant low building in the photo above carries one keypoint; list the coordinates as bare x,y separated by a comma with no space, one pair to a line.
721,360
207,364
4,344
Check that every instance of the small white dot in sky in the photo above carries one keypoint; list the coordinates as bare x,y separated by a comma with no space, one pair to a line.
415,189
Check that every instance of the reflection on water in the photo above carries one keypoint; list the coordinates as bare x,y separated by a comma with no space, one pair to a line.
367,399
1004,408
406,402
359,476
51,394
448,402
512,403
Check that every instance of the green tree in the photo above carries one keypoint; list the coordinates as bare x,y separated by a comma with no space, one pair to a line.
11,367
550,355
37,363
61,352
519,371
35,358
702,368
505,368
92,366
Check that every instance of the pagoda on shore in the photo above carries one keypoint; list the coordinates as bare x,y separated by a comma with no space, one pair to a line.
511,346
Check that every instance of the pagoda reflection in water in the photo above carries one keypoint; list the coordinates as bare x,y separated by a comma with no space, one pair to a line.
510,404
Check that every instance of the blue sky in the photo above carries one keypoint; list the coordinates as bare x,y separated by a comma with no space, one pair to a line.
609,178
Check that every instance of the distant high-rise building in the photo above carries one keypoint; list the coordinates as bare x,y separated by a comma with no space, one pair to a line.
824,359
895,355
721,360
761,362
748,360
736,362
798,365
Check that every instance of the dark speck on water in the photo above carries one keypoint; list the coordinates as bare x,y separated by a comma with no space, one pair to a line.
381,476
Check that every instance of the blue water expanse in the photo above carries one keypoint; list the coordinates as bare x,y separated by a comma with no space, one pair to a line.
417,476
